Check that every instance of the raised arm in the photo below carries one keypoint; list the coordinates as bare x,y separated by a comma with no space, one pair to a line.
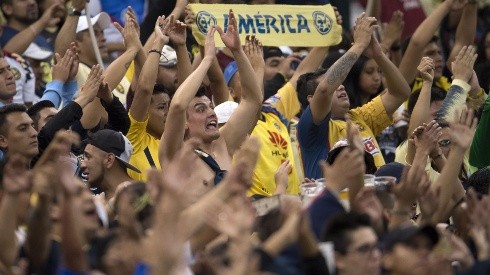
420,38
16,180
245,116
420,113
21,41
322,99
465,33
148,76
177,34
173,136
66,35
397,89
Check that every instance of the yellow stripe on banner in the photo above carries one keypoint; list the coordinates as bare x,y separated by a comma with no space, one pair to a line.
274,25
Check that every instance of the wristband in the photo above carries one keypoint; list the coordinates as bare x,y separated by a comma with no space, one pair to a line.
155,51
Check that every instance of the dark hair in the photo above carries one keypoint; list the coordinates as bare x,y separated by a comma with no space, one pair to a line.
306,86
35,109
268,224
351,83
436,94
482,57
5,111
480,181
141,202
368,159
340,226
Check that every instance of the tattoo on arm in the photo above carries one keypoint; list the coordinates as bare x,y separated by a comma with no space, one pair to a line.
340,69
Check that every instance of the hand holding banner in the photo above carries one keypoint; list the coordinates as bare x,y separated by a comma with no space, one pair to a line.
275,25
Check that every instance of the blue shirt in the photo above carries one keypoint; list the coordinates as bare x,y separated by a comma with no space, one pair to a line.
313,141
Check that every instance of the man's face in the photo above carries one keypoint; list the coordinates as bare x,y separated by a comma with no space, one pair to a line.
167,76
158,114
433,50
412,258
363,255
24,11
201,119
44,116
7,81
340,102
85,48
272,66
93,165
20,137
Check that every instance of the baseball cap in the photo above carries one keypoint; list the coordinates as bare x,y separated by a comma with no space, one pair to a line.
224,110
102,19
393,169
37,53
168,57
114,142
405,235
230,71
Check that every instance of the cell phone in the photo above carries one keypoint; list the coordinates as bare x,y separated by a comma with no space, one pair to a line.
266,205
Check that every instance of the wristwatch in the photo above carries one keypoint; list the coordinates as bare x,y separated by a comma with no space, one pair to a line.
73,12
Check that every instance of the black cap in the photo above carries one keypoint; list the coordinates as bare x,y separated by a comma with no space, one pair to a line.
114,142
405,235
392,169
272,52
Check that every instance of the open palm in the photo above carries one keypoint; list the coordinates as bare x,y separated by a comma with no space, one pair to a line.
230,38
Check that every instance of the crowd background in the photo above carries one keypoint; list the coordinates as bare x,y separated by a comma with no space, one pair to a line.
128,148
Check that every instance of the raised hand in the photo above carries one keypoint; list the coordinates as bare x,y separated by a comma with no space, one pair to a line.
16,176
428,199
344,171
209,46
253,50
239,178
131,15
368,203
75,63
428,138
408,189
363,30
462,66
190,17
52,15
130,33
61,68
59,146
338,16
463,129
426,69
457,4
230,38
177,31
161,28
392,31
78,5
91,86
104,93
374,49
281,177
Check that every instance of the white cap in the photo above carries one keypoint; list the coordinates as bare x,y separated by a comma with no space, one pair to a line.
37,53
168,57
102,19
225,110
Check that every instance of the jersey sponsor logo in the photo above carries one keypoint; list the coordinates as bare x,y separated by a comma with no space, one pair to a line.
277,140
370,146
204,20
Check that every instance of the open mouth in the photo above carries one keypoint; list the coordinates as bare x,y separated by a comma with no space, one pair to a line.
343,95
212,125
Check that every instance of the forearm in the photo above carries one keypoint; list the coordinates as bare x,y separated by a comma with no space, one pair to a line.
72,243
218,83
21,41
275,243
149,72
448,180
184,66
116,71
118,118
8,225
92,114
251,90
466,31
456,96
308,243
420,115
373,8
179,8
38,232
310,64
395,82
53,92
337,73
66,34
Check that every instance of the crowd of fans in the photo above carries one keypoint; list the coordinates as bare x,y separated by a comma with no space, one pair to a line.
128,148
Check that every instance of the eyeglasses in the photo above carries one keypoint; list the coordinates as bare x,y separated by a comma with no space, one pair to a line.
444,143
365,249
